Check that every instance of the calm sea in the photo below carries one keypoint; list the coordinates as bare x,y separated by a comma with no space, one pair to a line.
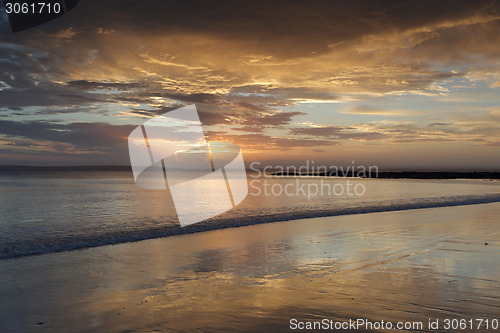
48,211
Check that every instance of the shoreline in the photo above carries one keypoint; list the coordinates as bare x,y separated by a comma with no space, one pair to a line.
229,223
479,174
391,266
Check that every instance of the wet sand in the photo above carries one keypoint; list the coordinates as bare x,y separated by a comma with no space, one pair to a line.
397,266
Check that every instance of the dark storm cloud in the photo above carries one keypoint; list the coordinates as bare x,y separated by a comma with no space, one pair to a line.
274,25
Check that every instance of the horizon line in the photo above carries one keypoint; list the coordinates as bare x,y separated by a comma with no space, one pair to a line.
82,167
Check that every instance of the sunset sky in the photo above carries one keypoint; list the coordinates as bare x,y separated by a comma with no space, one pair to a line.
398,84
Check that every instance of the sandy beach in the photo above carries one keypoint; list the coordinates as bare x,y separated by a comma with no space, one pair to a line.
407,266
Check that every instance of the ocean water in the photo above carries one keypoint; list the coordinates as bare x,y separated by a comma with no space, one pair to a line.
49,211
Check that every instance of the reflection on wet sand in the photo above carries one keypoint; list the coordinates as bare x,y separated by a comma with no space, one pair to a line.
398,266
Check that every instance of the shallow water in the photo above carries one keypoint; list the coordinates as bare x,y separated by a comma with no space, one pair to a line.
408,266
42,212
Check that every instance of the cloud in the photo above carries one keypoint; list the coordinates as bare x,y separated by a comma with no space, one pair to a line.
89,85
368,110
261,143
98,137
366,47
318,131
252,68
338,132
